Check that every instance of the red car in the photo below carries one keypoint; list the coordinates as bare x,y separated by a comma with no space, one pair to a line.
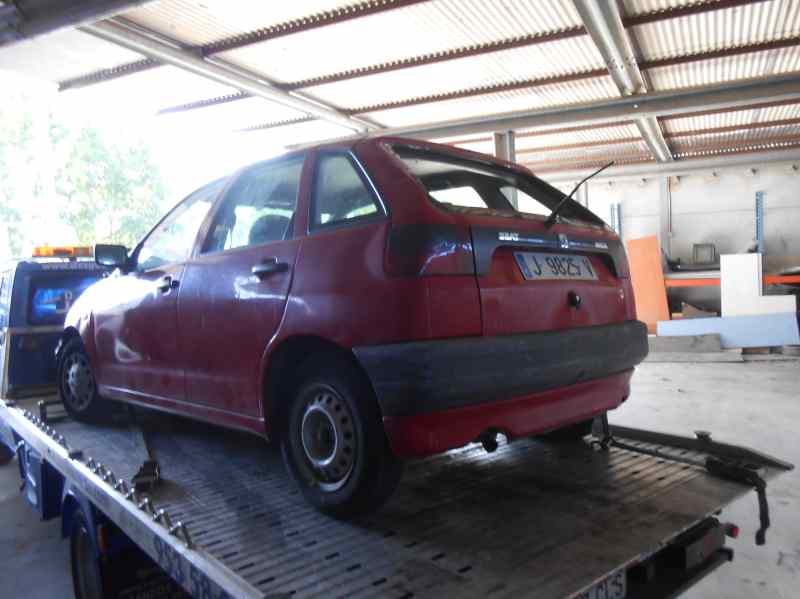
363,302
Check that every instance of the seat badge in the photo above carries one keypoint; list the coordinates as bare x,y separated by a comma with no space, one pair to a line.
563,242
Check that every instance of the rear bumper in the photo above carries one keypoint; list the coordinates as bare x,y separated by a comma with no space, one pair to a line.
435,432
492,374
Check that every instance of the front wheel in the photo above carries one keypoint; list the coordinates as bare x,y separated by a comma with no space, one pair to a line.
76,384
333,442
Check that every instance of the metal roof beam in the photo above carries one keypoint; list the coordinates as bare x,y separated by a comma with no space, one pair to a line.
728,160
25,19
672,103
233,77
603,22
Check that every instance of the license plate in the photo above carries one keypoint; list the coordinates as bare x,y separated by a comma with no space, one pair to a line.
539,266
613,587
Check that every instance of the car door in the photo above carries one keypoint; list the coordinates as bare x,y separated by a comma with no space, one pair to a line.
235,288
135,314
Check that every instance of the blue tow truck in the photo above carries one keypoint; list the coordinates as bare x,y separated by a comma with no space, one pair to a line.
157,506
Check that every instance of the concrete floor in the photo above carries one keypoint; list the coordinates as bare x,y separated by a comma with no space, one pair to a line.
754,404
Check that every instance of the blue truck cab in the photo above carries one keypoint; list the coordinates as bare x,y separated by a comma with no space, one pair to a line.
35,296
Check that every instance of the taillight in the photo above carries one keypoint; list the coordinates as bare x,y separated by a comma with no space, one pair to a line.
430,250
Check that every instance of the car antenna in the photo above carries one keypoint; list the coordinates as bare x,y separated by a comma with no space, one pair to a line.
554,214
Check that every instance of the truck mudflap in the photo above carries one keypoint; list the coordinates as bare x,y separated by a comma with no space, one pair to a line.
533,518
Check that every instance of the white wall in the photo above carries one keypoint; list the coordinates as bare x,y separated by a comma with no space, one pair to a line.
710,209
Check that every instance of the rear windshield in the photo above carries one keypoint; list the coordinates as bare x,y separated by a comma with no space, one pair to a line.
463,185
52,296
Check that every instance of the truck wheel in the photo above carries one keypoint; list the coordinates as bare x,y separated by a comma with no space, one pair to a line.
87,580
572,432
333,442
76,384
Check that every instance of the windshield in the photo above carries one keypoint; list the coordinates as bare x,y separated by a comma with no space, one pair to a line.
466,185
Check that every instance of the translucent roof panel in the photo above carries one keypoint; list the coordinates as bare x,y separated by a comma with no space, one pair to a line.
198,22
720,70
62,55
731,119
236,115
420,29
593,135
552,158
490,104
714,30
149,91
498,68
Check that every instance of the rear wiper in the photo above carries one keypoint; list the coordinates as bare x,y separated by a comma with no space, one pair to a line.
554,214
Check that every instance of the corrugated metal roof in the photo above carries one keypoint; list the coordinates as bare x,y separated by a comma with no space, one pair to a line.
417,30
546,96
729,68
730,119
200,22
542,139
63,54
757,22
237,115
498,68
590,154
151,90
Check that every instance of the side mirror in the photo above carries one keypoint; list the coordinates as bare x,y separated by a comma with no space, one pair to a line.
111,255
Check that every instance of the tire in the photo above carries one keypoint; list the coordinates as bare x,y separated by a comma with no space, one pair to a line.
87,580
333,442
77,388
6,455
570,433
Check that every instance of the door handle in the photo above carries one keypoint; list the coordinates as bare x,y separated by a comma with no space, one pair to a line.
166,283
268,267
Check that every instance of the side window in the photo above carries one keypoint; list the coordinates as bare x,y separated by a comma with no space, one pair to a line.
340,194
173,239
258,208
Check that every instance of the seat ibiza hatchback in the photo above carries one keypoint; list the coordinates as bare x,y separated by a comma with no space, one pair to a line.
361,303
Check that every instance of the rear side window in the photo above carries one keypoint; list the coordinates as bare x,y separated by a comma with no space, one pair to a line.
459,184
259,207
341,193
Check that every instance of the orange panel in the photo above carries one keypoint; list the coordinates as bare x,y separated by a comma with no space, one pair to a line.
647,277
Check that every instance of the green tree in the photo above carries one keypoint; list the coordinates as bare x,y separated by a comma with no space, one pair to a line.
16,158
113,192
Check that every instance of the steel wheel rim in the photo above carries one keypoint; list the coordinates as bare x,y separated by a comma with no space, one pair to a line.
79,381
328,438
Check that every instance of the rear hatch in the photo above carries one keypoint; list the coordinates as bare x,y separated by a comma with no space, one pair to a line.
531,278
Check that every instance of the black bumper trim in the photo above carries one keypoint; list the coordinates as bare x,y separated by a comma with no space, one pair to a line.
430,376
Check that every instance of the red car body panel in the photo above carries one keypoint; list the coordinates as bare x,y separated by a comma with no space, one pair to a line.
426,434
204,348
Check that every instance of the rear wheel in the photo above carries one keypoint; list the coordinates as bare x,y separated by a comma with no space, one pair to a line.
333,442
87,580
76,384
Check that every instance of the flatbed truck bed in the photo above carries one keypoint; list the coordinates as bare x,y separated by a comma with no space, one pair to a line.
530,519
